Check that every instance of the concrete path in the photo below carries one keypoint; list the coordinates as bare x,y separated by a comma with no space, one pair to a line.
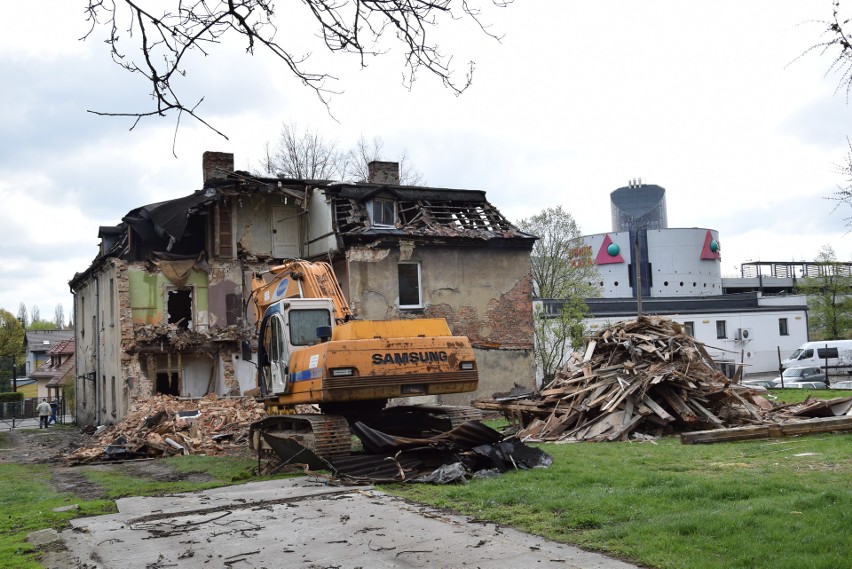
296,523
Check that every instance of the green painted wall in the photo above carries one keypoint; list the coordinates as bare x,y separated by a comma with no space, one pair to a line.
147,294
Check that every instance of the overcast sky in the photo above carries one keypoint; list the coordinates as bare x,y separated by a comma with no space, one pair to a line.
708,99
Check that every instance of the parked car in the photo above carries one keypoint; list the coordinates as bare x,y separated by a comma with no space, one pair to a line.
806,385
799,374
765,383
842,385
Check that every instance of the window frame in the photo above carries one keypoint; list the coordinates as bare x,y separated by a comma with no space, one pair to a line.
721,329
382,202
783,327
419,288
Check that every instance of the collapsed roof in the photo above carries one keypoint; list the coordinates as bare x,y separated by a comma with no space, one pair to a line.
175,226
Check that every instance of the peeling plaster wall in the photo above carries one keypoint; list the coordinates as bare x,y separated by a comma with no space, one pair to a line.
148,296
320,237
100,381
484,293
224,279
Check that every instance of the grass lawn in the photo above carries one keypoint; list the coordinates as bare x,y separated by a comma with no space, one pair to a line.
27,497
783,503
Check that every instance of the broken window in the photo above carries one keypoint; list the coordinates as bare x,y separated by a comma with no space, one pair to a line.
409,285
167,383
382,212
179,307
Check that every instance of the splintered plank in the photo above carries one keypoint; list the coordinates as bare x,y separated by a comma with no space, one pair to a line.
655,407
590,350
707,414
677,404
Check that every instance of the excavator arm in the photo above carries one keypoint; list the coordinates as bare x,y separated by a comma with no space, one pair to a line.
297,278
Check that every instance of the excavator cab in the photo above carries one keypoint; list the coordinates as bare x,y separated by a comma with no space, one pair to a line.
289,325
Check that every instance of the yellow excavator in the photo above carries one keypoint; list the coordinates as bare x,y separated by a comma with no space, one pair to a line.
312,351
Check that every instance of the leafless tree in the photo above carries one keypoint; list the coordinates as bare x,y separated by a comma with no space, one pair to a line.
304,155
23,316
364,152
307,155
157,39
836,44
59,317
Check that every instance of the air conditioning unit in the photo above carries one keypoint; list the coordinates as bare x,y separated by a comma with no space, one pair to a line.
744,334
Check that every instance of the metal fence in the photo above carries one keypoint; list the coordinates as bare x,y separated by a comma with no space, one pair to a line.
23,413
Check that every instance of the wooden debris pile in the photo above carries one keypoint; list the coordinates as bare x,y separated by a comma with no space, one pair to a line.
163,425
638,377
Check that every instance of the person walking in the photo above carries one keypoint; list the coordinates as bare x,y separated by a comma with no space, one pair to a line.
43,414
54,405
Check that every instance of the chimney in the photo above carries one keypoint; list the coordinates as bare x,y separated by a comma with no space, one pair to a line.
383,173
217,165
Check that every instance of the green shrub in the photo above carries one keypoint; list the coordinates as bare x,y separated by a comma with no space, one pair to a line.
11,397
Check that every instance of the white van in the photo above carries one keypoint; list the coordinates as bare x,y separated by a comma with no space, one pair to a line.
836,355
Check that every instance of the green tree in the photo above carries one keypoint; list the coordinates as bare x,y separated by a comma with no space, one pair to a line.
564,276
828,295
11,346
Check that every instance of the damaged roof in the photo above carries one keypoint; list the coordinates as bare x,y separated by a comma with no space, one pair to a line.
421,211
424,212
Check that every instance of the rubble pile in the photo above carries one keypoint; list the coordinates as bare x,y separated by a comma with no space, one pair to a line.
641,377
163,425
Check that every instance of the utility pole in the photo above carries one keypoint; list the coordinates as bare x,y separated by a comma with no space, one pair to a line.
637,274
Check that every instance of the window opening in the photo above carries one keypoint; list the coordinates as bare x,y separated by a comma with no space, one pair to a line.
409,285
721,329
167,383
180,307
689,328
112,302
782,327
113,399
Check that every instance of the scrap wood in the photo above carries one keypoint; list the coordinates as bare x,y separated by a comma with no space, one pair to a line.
644,377
812,426
155,425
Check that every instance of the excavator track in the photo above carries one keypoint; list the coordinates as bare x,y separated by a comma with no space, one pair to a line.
327,436
423,420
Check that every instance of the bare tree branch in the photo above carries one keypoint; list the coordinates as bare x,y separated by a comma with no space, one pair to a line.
161,39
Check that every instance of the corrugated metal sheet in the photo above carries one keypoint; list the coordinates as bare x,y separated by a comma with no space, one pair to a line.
467,436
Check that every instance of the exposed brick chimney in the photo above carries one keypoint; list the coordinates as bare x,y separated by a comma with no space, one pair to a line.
217,165
383,173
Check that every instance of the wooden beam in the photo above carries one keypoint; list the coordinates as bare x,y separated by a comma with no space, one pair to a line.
813,426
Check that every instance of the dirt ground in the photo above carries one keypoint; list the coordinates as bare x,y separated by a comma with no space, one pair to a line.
38,446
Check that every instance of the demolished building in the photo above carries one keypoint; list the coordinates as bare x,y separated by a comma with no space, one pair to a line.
162,308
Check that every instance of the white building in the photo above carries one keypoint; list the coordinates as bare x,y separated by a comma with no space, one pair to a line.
679,276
